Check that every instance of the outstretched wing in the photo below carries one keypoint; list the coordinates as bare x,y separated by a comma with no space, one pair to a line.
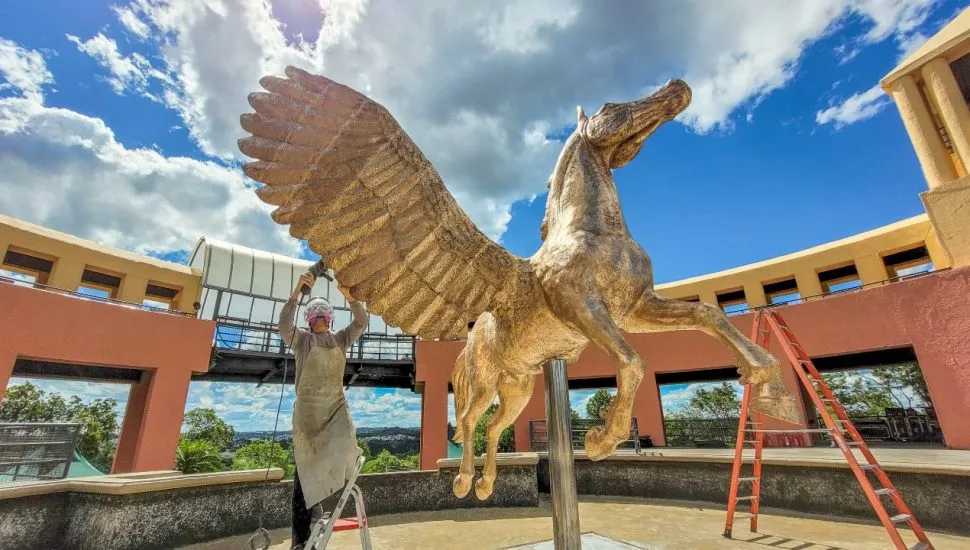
349,180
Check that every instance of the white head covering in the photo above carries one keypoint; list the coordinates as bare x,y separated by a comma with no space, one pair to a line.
319,307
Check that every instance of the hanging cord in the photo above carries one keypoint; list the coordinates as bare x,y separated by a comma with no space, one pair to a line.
262,532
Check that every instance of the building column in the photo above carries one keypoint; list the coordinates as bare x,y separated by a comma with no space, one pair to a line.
938,254
754,295
808,285
648,410
434,423
66,275
535,409
7,361
133,289
943,88
153,422
871,269
933,158
131,425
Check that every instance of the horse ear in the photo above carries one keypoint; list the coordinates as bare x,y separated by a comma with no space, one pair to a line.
581,115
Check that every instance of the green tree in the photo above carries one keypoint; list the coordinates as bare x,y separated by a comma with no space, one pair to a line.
385,462
197,456
721,401
506,440
598,404
98,419
573,414
261,453
362,443
205,424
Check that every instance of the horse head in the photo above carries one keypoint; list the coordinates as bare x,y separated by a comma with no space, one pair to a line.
617,131
615,134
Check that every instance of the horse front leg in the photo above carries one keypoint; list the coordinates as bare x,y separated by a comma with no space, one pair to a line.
593,319
653,313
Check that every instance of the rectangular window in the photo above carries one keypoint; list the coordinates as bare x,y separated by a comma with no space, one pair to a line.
840,278
160,297
908,262
29,264
733,302
18,278
782,292
99,283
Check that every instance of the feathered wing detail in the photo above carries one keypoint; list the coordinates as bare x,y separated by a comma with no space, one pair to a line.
346,178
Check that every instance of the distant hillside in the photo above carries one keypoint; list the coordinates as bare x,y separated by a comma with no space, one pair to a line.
397,441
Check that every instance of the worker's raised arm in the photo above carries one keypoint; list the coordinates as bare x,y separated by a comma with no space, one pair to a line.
291,335
358,324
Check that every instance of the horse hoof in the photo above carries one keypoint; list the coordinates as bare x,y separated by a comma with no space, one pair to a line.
598,444
461,485
484,487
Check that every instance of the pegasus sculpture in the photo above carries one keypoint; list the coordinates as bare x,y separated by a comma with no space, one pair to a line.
347,179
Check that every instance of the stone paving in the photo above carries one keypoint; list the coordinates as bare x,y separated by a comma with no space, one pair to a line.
652,524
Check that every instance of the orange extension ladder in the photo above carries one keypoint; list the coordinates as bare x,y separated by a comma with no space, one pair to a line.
838,425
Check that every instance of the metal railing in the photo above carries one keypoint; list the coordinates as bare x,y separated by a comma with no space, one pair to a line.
238,335
830,293
89,297
722,432
539,437
36,450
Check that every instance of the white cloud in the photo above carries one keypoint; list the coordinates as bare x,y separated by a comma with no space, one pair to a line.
67,171
677,396
472,85
24,71
855,108
250,408
131,21
127,73
87,391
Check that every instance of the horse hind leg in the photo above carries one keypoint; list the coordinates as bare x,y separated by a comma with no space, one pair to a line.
756,366
513,393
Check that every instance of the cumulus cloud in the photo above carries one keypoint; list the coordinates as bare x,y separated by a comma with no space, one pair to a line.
249,408
473,84
126,73
855,108
23,71
136,199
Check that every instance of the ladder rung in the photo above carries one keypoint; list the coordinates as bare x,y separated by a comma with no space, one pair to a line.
921,546
795,431
747,479
743,516
884,491
901,518
869,467
749,497
750,459
751,441
854,443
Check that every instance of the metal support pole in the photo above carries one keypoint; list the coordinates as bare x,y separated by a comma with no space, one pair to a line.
562,478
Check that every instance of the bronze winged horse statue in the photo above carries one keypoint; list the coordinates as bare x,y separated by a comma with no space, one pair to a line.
347,178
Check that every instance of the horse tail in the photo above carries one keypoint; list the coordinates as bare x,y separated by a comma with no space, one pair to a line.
459,383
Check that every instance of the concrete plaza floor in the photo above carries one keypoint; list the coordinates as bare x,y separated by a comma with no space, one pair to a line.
654,524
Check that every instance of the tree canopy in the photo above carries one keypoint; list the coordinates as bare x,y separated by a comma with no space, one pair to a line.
98,419
598,404
260,453
197,456
204,424
506,440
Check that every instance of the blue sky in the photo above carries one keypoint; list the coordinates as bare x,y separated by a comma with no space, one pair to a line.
118,121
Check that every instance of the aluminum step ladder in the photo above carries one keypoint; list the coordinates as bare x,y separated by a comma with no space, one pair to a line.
326,526
751,437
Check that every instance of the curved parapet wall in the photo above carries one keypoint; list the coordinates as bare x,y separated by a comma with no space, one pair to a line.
873,257
66,262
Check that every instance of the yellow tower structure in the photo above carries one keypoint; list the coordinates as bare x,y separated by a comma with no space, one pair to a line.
931,89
